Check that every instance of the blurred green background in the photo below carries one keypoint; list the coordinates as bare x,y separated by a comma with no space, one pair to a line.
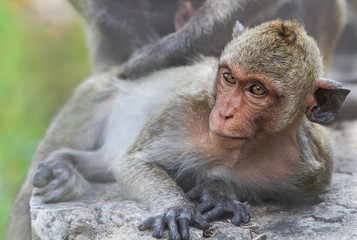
43,57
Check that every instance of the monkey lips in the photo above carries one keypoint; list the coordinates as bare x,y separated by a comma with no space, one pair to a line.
226,141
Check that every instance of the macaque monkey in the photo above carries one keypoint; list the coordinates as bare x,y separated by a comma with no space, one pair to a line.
173,32
241,128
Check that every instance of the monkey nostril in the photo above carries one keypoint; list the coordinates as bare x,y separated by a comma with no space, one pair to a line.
228,116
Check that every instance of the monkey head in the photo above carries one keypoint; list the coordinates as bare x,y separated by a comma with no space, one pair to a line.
268,78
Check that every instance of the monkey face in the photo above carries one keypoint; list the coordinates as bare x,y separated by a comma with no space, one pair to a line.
246,104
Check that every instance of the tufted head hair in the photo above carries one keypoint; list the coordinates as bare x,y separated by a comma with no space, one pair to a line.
278,49
283,52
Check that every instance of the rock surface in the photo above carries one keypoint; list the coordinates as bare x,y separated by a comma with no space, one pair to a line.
104,214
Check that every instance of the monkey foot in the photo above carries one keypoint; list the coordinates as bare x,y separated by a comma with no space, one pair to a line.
213,205
58,181
177,221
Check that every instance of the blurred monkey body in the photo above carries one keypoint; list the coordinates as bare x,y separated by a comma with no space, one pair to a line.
173,31
241,128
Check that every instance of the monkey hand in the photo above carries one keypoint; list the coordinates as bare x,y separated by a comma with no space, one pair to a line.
214,204
177,219
58,182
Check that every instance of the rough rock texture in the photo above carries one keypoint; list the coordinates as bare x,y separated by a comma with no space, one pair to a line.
103,214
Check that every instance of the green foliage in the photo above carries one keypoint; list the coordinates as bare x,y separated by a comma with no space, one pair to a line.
40,64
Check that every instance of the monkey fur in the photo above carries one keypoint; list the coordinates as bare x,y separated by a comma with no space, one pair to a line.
240,128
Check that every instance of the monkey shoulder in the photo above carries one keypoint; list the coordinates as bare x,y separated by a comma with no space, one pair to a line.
318,164
315,139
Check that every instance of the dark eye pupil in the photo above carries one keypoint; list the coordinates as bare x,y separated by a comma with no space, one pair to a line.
258,90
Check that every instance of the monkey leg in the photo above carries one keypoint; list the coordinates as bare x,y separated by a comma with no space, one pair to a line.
63,175
214,204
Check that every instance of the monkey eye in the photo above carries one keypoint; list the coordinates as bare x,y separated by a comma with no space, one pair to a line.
257,90
229,78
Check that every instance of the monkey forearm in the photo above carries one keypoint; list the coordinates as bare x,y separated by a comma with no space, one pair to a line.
149,183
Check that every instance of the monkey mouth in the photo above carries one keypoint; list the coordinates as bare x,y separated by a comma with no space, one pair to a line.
229,137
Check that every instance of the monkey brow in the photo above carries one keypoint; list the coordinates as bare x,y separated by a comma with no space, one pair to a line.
223,65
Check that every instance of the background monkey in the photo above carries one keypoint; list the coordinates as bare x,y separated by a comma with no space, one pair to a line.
173,32
238,128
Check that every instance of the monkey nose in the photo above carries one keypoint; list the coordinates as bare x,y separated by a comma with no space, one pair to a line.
226,115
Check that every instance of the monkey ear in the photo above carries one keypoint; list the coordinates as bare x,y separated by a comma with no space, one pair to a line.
327,99
238,29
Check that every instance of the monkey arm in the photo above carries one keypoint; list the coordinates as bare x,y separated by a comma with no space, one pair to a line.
205,33
141,179
151,185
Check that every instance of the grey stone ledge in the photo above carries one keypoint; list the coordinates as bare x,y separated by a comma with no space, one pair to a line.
104,214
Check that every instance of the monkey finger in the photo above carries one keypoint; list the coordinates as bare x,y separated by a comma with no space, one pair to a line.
159,225
56,183
214,213
40,192
63,193
147,224
236,220
172,225
194,193
54,196
237,216
184,220
200,222
43,175
241,213
245,214
61,169
204,206
184,225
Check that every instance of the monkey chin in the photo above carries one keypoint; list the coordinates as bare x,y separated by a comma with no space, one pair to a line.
225,141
